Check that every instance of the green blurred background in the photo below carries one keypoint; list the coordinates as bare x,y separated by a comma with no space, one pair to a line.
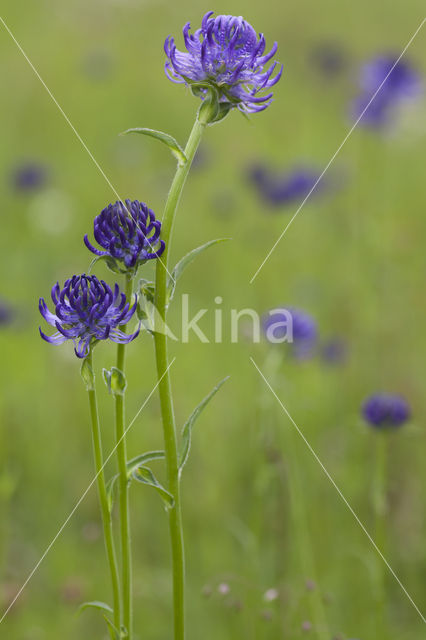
354,259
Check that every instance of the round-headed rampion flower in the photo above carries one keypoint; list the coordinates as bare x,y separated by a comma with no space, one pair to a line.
386,410
297,327
87,310
128,233
6,313
227,54
400,83
280,190
29,176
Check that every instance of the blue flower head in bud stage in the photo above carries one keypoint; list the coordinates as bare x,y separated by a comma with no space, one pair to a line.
386,411
87,310
129,235
401,82
228,56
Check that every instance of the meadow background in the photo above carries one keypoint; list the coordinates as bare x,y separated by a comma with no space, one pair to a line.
354,259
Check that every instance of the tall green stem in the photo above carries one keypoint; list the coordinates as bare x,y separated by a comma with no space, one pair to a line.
380,511
165,391
106,515
125,537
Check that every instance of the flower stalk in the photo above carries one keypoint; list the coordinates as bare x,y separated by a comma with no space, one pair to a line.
165,390
100,477
121,451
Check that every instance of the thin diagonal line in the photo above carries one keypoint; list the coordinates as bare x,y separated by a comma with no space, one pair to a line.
82,497
333,157
339,492
78,136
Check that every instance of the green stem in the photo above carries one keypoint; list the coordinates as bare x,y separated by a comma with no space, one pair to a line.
165,391
106,515
125,537
380,511
299,512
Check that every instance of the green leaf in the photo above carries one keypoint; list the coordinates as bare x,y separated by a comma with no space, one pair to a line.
115,380
110,491
132,465
113,631
185,262
142,459
95,604
145,475
173,145
87,375
187,428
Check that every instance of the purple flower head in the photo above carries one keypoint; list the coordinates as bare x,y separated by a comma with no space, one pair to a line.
228,55
385,410
29,176
6,314
129,234
288,324
87,310
401,84
334,351
281,190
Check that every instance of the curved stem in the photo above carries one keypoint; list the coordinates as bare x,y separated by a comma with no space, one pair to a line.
165,391
106,515
126,561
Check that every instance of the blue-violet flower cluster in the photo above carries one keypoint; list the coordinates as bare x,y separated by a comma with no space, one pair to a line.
128,233
281,190
401,84
295,326
87,310
386,410
227,54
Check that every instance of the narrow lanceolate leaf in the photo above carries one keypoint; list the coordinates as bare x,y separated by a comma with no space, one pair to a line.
185,262
145,475
96,604
139,461
173,145
110,491
113,631
132,465
187,428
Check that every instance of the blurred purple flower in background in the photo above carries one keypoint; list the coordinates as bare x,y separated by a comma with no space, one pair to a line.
6,314
328,58
298,328
87,310
29,176
227,54
283,189
403,83
334,351
386,410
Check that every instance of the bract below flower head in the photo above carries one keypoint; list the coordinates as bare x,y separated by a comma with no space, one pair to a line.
87,310
129,235
226,54
386,410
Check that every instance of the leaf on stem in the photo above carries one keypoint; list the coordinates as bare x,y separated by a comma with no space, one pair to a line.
96,604
87,374
168,140
187,428
115,380
145,476
132,465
